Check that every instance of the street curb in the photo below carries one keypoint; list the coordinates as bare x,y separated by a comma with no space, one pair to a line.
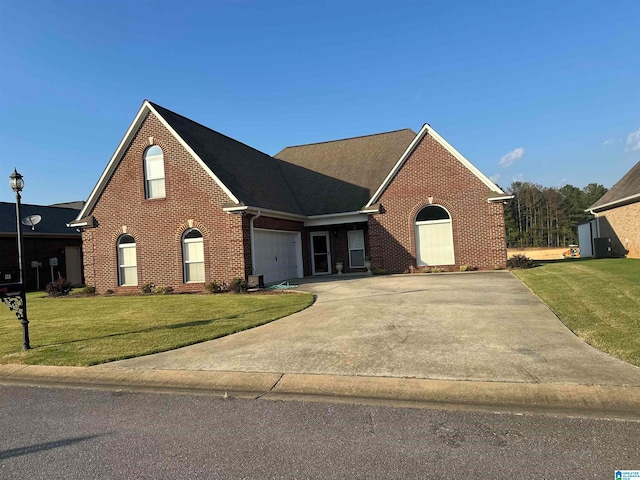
577,400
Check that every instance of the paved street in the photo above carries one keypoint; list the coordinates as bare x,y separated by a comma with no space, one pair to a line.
82,434
482,326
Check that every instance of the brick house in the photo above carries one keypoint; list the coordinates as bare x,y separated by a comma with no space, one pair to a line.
617,215
180,204
49,238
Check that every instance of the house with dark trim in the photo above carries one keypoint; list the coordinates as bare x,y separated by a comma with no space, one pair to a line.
51,248
617,217
180,204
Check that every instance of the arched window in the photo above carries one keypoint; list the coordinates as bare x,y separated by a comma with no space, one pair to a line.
154,172
127,262
193,256
434,237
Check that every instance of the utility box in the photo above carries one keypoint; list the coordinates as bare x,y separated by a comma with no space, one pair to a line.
602,247
255,281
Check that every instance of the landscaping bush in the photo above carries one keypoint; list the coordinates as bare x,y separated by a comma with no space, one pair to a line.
380,271
87,290
59,288
519,261
238,285
213,287
162,290
147,288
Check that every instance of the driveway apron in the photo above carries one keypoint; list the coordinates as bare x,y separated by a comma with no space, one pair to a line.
480,326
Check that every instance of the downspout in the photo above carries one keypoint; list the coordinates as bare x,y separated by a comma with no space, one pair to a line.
253,250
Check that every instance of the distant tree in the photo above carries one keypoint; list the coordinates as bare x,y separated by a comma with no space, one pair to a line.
547,216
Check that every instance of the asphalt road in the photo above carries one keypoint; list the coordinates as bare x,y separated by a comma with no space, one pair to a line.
83,434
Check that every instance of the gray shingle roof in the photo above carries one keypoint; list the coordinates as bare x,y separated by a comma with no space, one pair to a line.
54,219
329,177
342,175
627,186
255,178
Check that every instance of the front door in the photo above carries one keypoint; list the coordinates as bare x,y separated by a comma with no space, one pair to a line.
320,253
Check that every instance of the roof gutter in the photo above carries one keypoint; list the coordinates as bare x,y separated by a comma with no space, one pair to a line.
502,198
613,204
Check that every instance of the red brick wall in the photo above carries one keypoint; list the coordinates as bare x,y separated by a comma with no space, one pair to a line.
157,225
431,171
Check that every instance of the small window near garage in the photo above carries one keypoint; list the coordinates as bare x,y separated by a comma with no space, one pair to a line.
356,248
193,256
127,261
154,172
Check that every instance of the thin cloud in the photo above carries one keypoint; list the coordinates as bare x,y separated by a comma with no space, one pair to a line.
511,157
608,142
495,178
633,140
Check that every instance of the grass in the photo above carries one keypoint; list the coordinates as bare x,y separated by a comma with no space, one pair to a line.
93,330
599,300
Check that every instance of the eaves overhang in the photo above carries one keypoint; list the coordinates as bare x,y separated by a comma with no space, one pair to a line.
308,220
616,203
117,156
427,129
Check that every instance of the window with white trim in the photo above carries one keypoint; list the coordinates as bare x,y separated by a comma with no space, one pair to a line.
127,261
356,248
154,172
193,256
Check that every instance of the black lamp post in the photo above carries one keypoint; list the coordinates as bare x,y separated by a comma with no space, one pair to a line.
17,184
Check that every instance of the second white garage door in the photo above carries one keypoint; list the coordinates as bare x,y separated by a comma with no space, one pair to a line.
278,255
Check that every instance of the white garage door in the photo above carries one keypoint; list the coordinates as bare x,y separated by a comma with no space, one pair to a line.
278,255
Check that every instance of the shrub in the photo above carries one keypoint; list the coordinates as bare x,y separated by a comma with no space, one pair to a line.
213,287
519,261
58,288
147,288
468,268
87,290
162,290
109,292
238,285
380,271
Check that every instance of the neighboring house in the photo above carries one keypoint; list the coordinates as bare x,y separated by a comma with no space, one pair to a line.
617,216
180,204
48,238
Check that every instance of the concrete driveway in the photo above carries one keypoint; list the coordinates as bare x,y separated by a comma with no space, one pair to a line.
481,326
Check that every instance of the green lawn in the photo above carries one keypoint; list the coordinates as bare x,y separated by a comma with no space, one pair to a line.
598,299
92,330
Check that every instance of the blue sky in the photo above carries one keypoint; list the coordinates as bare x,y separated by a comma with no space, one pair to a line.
538,91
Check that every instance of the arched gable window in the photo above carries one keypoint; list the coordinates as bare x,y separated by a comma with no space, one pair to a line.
193,256
154,172
127,261
434,237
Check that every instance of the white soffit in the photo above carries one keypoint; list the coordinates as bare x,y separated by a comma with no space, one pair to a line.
427,129
193,154
122,147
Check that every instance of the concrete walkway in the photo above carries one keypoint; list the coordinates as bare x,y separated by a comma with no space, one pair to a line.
478,327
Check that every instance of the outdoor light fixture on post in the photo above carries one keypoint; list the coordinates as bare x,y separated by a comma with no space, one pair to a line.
13,295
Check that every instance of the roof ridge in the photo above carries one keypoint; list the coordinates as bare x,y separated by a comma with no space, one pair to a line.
351,138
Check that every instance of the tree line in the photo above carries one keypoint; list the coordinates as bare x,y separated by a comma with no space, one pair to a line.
547,216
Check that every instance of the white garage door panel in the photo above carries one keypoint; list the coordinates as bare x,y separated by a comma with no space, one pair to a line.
434,242
276,254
